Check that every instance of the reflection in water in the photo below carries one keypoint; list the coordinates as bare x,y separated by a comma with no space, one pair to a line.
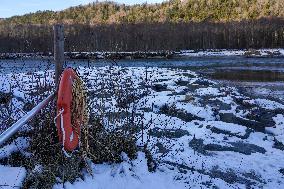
248,75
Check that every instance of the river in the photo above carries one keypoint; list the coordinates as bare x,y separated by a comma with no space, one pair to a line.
260,77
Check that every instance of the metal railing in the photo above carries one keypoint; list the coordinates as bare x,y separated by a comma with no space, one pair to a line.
16,126
59,60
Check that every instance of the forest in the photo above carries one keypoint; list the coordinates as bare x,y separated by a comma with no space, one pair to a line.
171,25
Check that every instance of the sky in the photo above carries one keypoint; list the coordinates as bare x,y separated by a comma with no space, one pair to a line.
10,8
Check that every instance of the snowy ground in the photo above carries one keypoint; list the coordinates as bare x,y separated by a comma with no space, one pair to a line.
201,134
155,54
225,52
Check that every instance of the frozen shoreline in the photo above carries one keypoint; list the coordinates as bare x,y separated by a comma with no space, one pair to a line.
256,53
216,137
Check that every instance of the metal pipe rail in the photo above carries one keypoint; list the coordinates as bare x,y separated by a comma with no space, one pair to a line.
59,60
16,126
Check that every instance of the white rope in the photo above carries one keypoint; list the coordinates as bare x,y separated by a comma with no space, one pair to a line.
60,112
62,130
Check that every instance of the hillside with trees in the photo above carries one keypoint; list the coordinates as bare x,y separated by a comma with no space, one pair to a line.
171,25
175,11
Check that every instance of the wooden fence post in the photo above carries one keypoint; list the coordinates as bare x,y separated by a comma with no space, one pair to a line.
58,50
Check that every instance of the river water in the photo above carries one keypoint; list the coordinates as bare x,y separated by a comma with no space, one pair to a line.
261,77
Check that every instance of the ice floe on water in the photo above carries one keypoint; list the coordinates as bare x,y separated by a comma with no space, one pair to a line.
201,133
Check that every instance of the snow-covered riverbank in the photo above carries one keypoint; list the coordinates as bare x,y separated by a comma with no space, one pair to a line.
201,133
244,52
256,53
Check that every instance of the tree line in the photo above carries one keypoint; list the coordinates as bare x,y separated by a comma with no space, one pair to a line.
174,11
261,33
171,25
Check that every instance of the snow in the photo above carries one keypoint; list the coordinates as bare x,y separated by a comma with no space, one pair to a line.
225,99
226,52
181,166
231,127
267,104
11,177
200,111
208,91
17,145
183,53
220,52
125,175
278,129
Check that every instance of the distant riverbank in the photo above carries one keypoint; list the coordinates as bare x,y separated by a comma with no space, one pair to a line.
249,53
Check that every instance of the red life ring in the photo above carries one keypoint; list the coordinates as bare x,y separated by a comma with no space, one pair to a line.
69,134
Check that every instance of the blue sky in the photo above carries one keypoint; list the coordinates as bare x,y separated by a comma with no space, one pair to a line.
10,8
